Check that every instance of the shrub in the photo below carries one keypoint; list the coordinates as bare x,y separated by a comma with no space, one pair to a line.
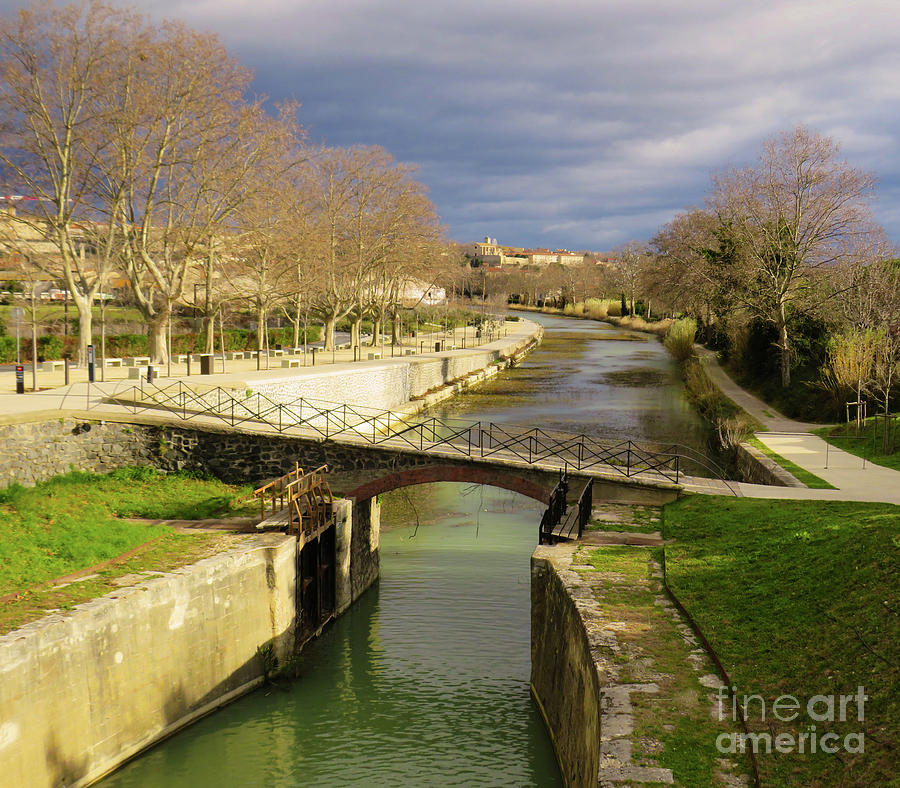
614,309
596,308
679,339
49,347
8,350
124,345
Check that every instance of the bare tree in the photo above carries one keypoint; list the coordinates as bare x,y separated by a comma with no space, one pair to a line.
632,260
799,211
873,305
184,146
56,67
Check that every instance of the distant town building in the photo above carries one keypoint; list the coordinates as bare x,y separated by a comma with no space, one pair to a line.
414,292
493,254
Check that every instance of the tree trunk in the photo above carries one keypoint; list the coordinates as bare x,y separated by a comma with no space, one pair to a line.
396,339
157,338
260,328
376,330
85,321
354,331
209,333
784,348
328,330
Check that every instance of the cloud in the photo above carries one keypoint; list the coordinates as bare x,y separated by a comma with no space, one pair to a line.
578,123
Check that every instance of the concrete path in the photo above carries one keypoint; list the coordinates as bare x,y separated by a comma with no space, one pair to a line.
230,369
764,413
856,479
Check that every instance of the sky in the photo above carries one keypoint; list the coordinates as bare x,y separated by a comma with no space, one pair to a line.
578,124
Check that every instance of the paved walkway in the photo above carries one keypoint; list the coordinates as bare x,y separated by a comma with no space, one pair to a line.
855,479
345,358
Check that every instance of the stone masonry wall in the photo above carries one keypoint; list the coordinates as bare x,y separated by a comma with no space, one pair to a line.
33,452
755,467
564,677
391,382
82,691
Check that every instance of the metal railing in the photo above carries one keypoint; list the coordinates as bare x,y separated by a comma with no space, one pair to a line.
556,509
560,522
306,497
486,440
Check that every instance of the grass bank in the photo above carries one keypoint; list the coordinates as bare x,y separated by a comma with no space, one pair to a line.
801,599
79,520
673,728
867,442
801,474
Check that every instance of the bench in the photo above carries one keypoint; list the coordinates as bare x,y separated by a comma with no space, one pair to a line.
135,373
373,356
52,366
137,361
291,362
113,362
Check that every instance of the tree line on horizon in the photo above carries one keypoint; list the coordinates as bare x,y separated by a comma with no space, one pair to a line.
784,269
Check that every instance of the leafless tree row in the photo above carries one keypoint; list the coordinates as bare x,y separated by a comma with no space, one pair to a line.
142,150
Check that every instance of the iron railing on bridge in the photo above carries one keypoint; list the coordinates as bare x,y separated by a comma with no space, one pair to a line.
328,420
560,522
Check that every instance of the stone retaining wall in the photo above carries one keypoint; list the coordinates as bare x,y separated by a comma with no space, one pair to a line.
35,451
754,467
83,691
393,382
564,677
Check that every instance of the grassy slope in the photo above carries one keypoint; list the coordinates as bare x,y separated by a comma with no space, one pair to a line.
799,598
801,474
72,522
865,445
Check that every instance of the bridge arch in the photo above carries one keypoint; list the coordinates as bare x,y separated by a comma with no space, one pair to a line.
474,473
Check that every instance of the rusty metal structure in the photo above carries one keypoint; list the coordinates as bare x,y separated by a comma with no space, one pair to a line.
302,501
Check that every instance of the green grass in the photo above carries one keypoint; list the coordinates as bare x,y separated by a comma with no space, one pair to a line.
673,728
167,552
866,444
801,474
799,598
48,313
73,521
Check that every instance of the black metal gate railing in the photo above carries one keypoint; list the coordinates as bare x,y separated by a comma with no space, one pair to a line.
485,440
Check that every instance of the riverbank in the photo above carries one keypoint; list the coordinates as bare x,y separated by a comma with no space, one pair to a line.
631,322
623,684
69,681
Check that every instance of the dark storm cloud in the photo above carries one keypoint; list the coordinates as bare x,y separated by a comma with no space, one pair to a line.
574,123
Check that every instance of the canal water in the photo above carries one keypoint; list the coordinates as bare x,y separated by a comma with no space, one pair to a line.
425,681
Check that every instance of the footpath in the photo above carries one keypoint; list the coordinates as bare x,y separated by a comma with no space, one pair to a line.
381,382
854,479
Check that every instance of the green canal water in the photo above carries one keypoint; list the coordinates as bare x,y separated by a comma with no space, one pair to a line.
425,681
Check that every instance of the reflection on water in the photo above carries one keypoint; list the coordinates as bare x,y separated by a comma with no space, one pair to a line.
606,389
425,680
